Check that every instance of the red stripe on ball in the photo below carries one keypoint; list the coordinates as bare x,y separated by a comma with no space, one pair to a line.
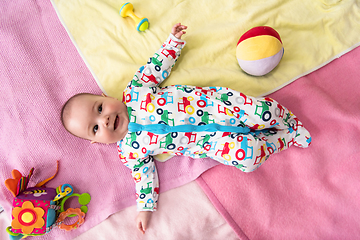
258,31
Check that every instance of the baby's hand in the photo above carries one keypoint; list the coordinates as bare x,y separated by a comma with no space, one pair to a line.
178,30
142,220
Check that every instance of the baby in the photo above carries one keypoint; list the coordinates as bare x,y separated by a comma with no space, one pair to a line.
215,122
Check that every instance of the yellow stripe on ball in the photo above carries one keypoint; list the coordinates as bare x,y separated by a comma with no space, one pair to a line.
258,47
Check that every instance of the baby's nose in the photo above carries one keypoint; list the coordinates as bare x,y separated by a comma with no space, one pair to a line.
106,120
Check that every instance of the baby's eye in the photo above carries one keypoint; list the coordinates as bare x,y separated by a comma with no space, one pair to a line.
100,109
96,128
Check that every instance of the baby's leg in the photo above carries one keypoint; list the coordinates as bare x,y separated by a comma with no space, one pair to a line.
277,117
258,113
266,113
248,152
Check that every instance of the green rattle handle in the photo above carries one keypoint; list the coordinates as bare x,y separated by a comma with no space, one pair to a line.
84,199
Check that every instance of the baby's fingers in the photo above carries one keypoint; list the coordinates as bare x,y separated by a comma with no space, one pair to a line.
140,227
178,30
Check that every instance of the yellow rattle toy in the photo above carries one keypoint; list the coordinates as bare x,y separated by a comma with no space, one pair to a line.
127,10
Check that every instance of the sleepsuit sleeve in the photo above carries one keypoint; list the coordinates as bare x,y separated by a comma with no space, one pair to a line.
159,66
145,176
144,173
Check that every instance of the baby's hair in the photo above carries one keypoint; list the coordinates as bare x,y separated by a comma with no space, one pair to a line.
65,110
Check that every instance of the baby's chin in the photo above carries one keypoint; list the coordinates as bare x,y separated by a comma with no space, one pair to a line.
115,139
121,133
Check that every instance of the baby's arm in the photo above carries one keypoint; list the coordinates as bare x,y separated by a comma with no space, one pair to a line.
147,189
146,183
144,173
159,66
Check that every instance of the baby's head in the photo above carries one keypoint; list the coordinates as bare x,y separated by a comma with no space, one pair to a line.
98,118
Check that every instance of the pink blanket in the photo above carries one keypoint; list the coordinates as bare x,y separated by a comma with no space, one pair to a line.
303,193
179,217
300,193
39,70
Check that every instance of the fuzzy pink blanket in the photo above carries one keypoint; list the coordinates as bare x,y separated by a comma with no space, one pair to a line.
39,70
298,194
303,193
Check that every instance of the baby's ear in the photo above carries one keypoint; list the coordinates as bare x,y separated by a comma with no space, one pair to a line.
104,95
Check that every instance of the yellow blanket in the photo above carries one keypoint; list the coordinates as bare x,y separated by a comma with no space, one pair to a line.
313,32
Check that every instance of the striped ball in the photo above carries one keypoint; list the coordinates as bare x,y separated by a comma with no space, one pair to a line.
259,50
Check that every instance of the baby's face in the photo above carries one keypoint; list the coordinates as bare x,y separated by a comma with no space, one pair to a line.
98,118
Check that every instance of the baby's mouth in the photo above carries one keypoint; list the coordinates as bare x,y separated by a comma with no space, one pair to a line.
116,123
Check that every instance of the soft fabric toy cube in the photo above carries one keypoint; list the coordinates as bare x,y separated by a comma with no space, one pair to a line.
37,210
34,211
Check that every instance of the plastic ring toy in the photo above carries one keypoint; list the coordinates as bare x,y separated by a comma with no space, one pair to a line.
83,200
67,213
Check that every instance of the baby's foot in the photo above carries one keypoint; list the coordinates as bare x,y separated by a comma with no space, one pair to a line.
302,138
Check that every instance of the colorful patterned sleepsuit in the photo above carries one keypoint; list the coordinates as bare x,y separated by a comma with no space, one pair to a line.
214,122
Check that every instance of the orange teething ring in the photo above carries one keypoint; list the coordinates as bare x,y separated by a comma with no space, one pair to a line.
68,212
